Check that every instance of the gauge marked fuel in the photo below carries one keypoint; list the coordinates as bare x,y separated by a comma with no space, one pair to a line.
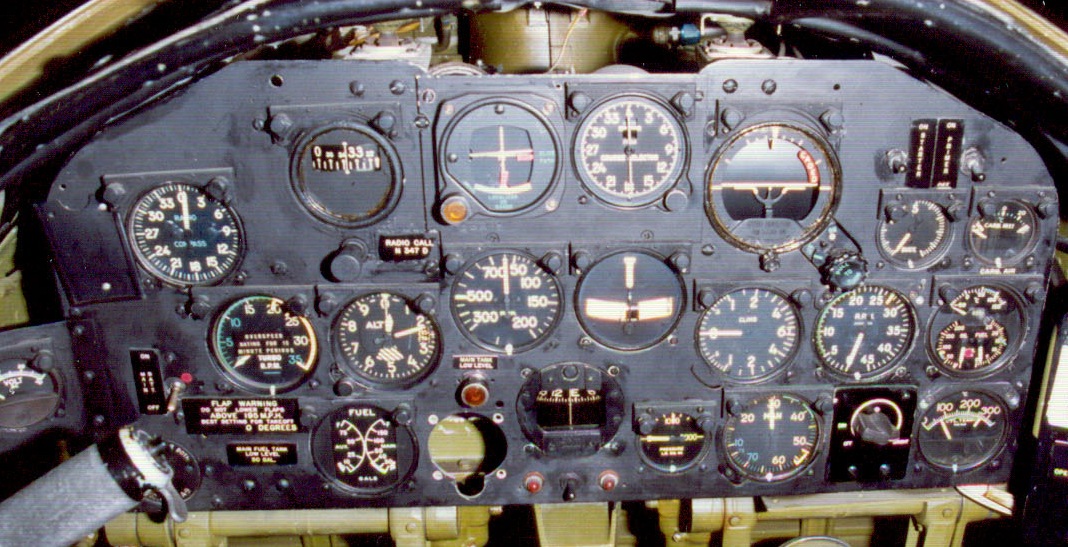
383,339
963,430
184,236
506,302
749,334
1005,236
918,238
771,438
863,333
503,153
630,300
263,346
772,187
977,331
674,441
364,449
629,151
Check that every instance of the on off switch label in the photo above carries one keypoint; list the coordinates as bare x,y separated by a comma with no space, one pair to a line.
241,416
149,382
934,153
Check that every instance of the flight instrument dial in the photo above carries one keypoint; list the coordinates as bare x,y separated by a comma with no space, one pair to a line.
1004,233
364,449
749,334
977,331
771,437
915,235
863,333
384,340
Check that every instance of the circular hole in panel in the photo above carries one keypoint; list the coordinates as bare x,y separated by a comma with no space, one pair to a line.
467,447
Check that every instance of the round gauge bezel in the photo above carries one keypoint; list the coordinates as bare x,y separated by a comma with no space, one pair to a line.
671,180
706,445
724,450
252,385
351,370
316,208
155,272
11,365
679,312
446,139
952,392
1032,241
561,303
778,369
322,450
939,319
936,254
822,211
886,368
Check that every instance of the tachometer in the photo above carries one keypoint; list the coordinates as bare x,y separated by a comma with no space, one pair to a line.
771,438
384,340
506,302
263,346
772,187
749,334
863,333
183,236
962,430
629,150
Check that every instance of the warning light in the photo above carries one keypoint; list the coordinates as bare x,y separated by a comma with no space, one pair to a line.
454,210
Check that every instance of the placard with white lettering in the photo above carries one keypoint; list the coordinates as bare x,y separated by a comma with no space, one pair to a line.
149,382
241,416
261,453
400,248
474,362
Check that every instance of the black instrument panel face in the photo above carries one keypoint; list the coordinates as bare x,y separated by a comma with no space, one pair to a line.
533,289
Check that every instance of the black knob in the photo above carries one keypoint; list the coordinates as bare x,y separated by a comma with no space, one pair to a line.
646,425
571,485
347,262
844,270
875,428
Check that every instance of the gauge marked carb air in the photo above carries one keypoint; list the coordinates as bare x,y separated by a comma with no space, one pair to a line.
262,346
503,153
183,236
362,449
963,430
505,301
916,236
346,174
1003,233
749,334
771,438
772,187
384,340
863,333
630,150
977,332
630,300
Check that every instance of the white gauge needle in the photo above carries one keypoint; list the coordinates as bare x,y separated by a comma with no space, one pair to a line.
655,308
387,323
183,198
628,271
242,360
408,332
771,414
606,310
904,241
505,278
715,333
945,429
853,352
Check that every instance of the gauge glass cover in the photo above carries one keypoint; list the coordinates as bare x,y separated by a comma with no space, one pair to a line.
1005,237
363,449
629,151
346,175
674,443
963,430
506,302
917,238
263,346
749,334
863,333
183,236
382,339
771,437
630,300
503,153
27,396
977,332
771,187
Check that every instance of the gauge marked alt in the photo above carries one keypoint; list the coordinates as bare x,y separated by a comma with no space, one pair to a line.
384,340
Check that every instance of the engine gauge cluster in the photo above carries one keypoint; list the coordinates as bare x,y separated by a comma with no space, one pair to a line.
977,331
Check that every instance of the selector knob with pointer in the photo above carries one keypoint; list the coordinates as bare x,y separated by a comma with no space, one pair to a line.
844,270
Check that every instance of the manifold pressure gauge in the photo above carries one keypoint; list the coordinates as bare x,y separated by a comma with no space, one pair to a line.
381,338
183,236
749,334
263,346
506,302
629,151
771,438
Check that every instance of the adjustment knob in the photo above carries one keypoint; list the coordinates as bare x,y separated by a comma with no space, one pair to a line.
844,270
347,262
570,484
875,428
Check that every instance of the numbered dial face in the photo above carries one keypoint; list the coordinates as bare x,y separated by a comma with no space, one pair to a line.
916,235
27,396
263,346
347,176
963,430
629,151
362,448
183,236
864,332
977,331
674,442
630,300
1005,236
772,187
503,153
383,339
748,334
771,438
506,302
